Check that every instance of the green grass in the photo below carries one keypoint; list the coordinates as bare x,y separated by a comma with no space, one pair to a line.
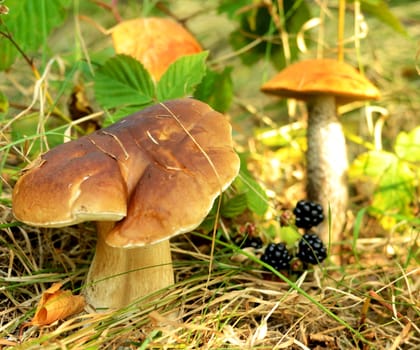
223,298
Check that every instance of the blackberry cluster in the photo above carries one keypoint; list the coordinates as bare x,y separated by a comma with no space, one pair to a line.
277,256
308,214
311,250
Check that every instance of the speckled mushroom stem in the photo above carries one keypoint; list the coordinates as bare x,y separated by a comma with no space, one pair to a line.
327,164
119,276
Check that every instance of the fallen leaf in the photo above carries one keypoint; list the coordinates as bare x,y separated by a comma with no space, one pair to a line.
56,304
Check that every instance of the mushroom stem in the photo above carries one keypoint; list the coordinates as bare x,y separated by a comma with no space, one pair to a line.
327,164
119,276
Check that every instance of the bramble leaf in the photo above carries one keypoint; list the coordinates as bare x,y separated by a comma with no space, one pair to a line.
234,206
256,197
123,81
216,89
182,77
407,145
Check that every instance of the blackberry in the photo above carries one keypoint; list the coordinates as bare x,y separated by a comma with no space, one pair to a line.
311,249
277,256
308,214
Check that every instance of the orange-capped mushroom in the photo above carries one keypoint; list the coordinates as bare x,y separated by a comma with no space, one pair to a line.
154,41
323,84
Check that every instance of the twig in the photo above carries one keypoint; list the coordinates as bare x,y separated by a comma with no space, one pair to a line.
28,60
389,307
113,8
340,32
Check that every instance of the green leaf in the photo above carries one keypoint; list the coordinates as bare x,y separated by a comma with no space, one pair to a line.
182,76
29,21
256,197
393,182
407,145
216,89
123,81
380,10
394,193
371,165
232,8
289,235
111,118
234,206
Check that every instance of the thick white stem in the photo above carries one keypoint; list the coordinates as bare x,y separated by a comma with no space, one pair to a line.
327,164
118,276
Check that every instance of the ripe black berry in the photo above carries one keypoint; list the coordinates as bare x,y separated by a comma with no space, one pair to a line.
308,214
277,256
311,249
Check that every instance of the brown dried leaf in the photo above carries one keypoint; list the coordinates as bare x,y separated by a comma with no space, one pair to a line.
56,304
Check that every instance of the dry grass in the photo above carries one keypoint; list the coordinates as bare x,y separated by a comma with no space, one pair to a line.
236,305
370,301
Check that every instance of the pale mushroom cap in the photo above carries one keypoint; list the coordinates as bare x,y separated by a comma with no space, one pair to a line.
158,170
156,42
309,78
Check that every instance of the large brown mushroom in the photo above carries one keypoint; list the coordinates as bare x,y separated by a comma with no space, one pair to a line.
324,84
144,179
156,42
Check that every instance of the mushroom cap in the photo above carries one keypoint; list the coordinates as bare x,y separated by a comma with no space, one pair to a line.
157,172
305,79
154,41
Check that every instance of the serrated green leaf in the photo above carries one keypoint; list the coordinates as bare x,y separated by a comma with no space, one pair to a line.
407,145
393,181
123,81
256,197
28,22
383,169
234,206
394,193
216,89
371,165
182,76
111,118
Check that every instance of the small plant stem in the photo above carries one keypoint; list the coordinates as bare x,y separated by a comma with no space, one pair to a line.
279,20
56,111
387,306
363,315
113,8
340,32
